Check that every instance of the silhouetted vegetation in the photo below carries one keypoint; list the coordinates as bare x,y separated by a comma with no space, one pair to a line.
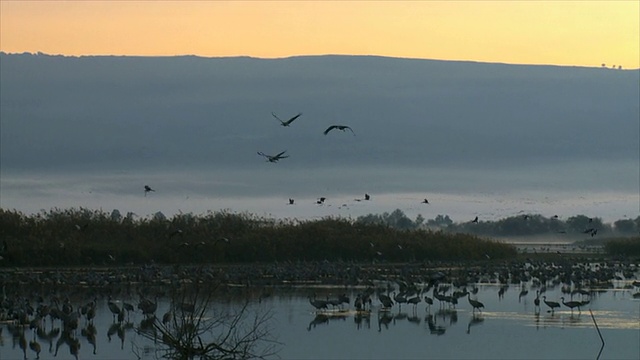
520,225
91,237
623,247
194,327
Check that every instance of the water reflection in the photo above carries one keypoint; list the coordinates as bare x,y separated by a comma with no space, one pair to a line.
98,332
90,332
362,319
434,329
474,321
323,318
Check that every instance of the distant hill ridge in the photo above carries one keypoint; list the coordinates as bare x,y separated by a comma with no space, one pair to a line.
154,111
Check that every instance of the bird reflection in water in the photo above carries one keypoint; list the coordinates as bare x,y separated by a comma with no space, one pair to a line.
48,336
475,320
400,316
384,318
324,318
67,338
451,314
319,319
90,333
433,328
414,319
362,317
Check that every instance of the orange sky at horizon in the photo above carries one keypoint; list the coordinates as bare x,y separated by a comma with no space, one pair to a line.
577,33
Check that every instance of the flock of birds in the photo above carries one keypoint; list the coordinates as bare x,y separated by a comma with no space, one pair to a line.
53,312
287,123
283,155
321,200
57,322
363,300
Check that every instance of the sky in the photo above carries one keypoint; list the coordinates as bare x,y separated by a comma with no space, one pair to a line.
488,140
582,33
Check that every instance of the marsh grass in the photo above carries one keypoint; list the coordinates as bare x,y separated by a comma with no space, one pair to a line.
90,237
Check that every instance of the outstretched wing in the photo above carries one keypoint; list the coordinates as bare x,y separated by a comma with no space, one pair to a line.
276,116
291,120
280,156
347,127
330,128
263,154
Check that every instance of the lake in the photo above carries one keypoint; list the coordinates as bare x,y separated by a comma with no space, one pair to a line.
508,327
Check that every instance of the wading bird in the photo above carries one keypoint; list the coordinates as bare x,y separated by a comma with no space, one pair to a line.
386,301
318,304
572,304
474,303
147,189
550,304
274,158
115,309
288,122
339,127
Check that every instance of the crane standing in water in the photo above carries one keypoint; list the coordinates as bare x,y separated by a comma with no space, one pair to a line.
551,304
474,303
572,304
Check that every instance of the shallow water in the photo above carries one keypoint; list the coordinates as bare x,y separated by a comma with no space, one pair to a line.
507,328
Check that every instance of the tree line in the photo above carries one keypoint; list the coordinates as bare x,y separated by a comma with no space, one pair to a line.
520,225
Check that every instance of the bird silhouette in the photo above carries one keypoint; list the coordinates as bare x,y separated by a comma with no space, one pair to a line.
425,201
572,304
115,309
339,127
550,304
147,189
385,300
475,220
367,197
291,201
318,304
274,158
288,122
523,293
474,303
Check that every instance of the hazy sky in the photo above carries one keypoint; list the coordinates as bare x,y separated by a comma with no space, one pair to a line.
584,33
476,139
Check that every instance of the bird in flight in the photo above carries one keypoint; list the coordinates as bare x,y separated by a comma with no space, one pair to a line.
288,122
367,197
475,220
147,189
274,158
339,127
321,200
291,201
425,201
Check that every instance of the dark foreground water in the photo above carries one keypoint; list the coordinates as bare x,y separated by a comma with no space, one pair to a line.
508,328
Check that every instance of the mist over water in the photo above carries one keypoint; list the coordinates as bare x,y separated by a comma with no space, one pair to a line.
476,139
